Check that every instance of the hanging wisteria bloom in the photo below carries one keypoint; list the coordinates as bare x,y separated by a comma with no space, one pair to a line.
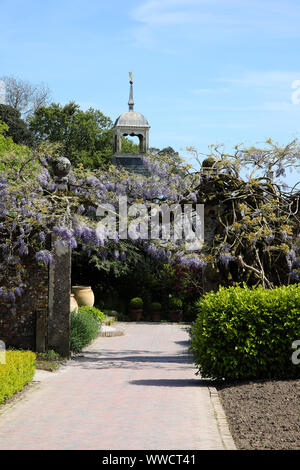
44,256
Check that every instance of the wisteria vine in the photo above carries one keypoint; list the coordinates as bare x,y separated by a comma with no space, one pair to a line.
258,220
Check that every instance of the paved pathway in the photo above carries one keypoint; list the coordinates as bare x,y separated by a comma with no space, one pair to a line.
137,391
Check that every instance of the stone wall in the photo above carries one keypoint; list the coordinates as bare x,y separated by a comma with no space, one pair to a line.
19,322
40,319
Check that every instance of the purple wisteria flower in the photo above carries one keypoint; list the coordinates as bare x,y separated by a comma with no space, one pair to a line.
42,236
18,291
44,256
225,256
191,260
269,238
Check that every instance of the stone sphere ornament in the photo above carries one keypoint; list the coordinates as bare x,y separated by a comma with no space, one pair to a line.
209,162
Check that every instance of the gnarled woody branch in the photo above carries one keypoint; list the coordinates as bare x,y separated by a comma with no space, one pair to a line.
258,273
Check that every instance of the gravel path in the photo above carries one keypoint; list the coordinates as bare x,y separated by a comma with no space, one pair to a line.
133,392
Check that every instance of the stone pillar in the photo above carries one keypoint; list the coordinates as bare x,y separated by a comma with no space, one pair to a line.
59,300
58,327
142,143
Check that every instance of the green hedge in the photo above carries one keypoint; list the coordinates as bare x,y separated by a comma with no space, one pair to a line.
17,372
243,333
84,328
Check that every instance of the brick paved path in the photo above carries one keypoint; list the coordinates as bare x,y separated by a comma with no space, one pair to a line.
137,391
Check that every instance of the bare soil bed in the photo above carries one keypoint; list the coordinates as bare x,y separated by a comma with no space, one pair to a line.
263,414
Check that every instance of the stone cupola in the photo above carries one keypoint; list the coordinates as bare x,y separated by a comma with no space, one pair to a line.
131,123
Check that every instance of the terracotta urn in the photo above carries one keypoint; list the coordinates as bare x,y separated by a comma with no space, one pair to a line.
136,314
73,304
175,315
84,295
155,316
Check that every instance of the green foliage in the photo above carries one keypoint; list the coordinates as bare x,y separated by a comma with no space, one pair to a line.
17,372
49,355
156,307
85,136
94,312
128,146
17,128
116,280
241,333
8,147
136,303
175,303
49,360
84,328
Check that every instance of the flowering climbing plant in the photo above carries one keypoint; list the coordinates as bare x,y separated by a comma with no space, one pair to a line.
257,217
257,233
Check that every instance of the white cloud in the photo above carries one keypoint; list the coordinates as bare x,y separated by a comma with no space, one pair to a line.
203,91
216,18
175,12
269,78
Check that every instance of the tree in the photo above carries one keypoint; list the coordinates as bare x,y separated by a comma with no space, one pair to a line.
24,96
85,136
8,147
17,128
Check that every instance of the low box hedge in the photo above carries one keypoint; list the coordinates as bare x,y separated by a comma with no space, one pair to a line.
17,372
243,333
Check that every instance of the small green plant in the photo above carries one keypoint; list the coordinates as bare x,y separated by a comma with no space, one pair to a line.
49,355
49,360
156,307
175,303
94,312
84,328
136,303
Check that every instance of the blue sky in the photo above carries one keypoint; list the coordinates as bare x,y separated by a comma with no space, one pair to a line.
205,71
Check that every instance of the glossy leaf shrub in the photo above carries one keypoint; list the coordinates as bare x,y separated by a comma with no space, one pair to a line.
243,333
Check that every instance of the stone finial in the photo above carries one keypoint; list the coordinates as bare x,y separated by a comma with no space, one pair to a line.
61,168
131,102
209,162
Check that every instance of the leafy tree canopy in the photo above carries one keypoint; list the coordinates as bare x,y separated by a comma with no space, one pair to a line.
85,136
17,128
8,147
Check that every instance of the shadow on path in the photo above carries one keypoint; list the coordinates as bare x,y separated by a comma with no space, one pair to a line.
173,382
104,361
183,343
